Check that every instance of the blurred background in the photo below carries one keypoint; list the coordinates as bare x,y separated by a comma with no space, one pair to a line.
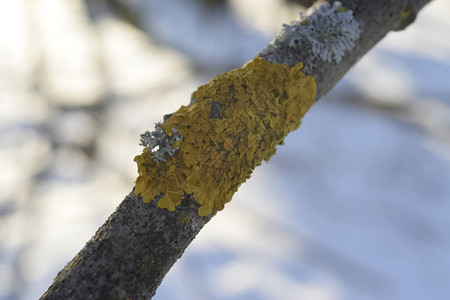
355,205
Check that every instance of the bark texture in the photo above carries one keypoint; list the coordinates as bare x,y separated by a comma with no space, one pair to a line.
130,254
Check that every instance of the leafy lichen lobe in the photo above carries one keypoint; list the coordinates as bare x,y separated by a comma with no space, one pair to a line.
260,104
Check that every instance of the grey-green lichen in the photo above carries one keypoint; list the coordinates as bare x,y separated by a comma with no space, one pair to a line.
329,30
160,143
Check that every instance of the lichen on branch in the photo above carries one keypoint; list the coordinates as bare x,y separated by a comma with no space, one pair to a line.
259,104
329,29
160,143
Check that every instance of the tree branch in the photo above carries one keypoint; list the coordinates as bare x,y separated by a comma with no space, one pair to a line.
130,254
375,18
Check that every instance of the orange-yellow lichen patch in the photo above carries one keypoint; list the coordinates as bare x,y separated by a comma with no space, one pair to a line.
406,13
260,104
184,219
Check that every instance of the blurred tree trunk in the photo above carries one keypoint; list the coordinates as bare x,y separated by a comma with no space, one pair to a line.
304,3
131,253
121,9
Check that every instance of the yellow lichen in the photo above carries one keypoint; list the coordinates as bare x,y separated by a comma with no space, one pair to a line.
406,13
260,104
184,219
342,9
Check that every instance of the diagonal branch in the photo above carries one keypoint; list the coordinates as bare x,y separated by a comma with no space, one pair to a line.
195,161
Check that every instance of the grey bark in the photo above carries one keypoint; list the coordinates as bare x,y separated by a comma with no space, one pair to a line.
130,254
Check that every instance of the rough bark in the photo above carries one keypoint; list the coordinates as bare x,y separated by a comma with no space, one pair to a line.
130,254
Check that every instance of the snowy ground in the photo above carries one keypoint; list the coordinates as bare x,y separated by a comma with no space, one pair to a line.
355,205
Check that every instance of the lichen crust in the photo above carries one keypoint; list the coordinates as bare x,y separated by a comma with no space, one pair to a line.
406,13
256,107
330,30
